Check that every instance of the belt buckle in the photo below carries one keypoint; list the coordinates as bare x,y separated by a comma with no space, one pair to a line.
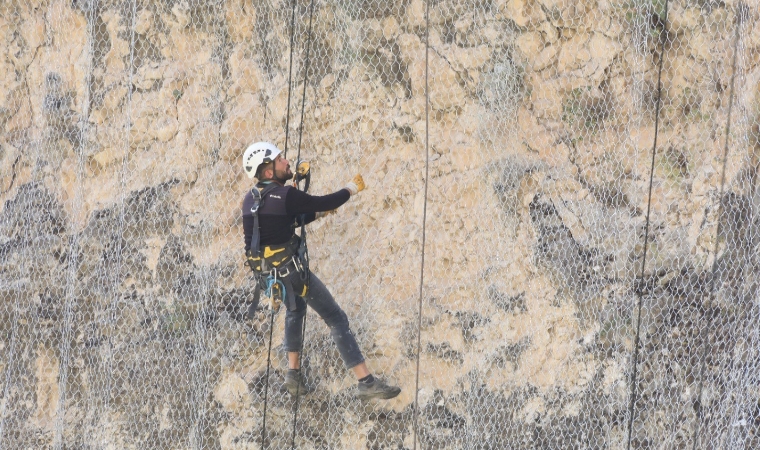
297,264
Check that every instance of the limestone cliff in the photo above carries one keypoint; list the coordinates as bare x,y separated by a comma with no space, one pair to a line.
572,160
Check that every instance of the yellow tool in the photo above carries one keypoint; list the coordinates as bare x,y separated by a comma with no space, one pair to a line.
275,301
303,167
359,182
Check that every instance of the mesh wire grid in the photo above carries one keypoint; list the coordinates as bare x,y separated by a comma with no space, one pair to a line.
579,177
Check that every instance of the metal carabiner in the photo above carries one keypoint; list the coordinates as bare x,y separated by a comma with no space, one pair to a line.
256,200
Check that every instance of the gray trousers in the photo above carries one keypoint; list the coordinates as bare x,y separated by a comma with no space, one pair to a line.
323,303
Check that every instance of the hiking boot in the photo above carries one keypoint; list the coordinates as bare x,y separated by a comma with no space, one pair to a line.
295,383
377,389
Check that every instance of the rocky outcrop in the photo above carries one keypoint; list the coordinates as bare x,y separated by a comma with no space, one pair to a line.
521,131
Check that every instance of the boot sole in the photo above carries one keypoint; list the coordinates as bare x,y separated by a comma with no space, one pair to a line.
292,390
380,396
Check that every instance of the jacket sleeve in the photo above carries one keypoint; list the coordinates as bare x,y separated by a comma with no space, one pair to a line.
298,202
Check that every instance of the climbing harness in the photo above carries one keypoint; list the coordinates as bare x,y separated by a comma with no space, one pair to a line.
273,264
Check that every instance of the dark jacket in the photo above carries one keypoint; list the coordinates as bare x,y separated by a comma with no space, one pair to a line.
283,208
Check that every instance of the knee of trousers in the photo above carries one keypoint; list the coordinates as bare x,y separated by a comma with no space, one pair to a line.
300,307
296,315
337,320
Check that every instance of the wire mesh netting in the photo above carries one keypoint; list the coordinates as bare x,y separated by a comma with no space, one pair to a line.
557,247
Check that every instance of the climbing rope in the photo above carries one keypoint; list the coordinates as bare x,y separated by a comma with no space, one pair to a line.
285,151
303,230
639,293
303,226
266,382
290,77
703,341
424,223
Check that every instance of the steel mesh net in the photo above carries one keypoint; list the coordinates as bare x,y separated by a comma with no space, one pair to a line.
557,246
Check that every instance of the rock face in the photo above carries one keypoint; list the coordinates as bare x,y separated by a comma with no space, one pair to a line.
579,176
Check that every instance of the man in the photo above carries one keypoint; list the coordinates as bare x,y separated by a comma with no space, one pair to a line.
281,209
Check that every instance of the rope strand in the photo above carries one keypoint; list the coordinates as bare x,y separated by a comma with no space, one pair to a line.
266,380
290,76
424,222
303,226
634,375
285,152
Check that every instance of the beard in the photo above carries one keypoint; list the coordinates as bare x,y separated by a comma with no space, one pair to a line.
283,175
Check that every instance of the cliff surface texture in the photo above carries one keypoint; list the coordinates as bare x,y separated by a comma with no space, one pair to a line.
556,249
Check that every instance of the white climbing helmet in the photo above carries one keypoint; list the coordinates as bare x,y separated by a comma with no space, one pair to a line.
257,154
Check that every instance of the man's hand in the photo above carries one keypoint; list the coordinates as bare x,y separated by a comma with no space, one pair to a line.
356,185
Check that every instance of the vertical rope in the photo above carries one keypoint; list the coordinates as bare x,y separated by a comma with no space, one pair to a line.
634,375
285,152
298,388
290,77
266,381
305,77
303,227
704,342
424,223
